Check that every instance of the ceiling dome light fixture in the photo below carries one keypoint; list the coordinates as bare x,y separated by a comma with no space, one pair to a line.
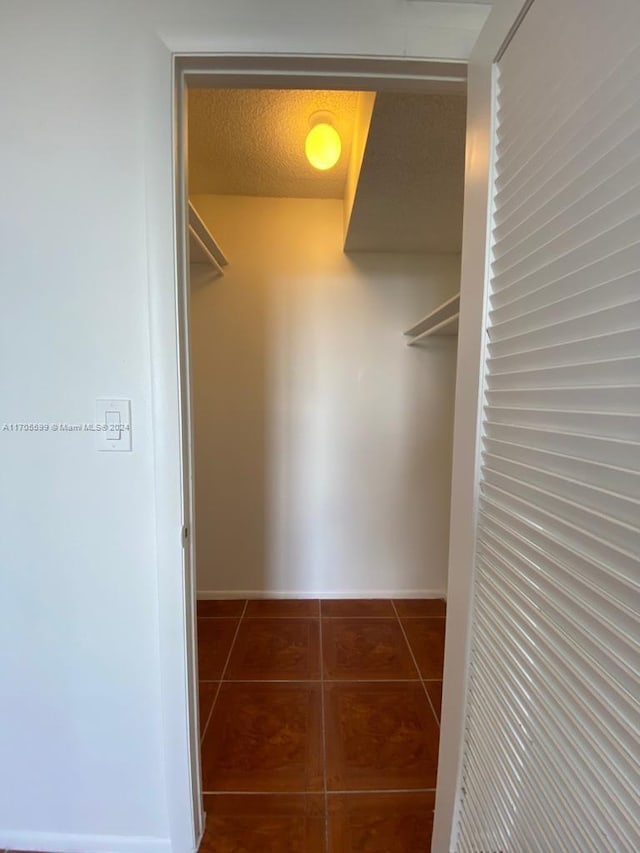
322,145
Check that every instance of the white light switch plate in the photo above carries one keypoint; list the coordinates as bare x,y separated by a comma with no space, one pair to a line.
113,425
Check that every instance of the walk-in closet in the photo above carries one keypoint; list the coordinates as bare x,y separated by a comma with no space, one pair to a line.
323,329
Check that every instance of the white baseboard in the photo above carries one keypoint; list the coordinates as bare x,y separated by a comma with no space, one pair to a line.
54,842
208,594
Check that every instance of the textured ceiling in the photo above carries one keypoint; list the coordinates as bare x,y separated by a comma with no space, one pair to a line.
410,190
251,142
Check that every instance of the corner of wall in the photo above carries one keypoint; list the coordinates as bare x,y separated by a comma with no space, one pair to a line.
362,123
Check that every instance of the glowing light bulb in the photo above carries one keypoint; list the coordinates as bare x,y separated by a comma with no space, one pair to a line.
323,146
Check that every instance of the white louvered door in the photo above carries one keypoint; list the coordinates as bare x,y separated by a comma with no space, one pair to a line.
551,755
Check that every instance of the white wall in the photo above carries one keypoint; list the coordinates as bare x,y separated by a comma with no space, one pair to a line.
89,760
323,442
80,718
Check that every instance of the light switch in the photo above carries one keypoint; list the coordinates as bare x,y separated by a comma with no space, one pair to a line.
113,425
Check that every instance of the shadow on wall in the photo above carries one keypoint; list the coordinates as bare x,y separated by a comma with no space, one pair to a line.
201,276
323,443
230,369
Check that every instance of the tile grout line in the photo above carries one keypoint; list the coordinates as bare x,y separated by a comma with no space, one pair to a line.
370,680
415,663
433,707
318,793
222,674
391,617
324,734
357,618
219,618
303,617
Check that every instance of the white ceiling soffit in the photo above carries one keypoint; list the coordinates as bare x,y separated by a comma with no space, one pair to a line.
410,190
251,142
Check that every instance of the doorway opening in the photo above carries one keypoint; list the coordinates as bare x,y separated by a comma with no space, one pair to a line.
321,453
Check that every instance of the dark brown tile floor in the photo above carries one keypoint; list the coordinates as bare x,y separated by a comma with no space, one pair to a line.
320,724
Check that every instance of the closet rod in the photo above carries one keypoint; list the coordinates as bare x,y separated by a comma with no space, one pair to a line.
196,223
444,311
202,249
437,330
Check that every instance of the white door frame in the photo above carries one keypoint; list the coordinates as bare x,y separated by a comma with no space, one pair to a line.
476,242
168,70
276,73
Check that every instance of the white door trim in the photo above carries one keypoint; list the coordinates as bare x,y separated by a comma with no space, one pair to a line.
249,72
478,198
166,258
